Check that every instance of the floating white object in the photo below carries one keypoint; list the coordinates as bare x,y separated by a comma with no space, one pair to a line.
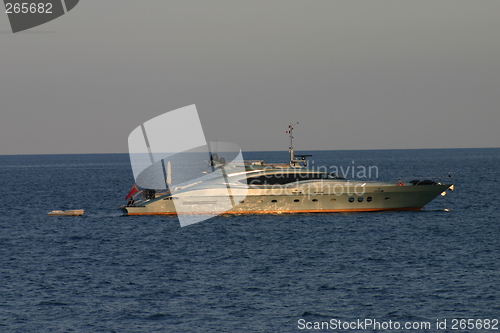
74,212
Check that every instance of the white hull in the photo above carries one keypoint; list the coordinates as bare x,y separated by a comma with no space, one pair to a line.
313,197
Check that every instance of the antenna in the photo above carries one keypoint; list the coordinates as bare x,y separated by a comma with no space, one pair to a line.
293,162
290,149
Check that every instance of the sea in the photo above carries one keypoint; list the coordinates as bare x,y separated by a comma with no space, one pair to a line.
433,270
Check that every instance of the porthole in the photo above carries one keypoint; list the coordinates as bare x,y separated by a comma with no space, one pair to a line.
333,199
351,199
296,200
387,198
360,199
274,200
314,200
369,199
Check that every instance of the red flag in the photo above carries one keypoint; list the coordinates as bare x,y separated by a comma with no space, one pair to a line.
132,191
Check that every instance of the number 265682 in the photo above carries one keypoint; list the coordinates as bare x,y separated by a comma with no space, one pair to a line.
28,7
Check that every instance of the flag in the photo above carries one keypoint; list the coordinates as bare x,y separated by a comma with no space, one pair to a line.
132,191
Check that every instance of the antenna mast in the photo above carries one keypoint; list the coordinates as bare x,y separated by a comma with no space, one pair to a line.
290,149
293,162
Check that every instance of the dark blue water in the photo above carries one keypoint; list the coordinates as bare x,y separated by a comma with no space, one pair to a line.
104,272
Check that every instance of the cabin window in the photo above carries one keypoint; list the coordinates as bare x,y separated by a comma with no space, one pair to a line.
314,200
296,200
351,199
283,178
333,199
274,200
369,199
360,199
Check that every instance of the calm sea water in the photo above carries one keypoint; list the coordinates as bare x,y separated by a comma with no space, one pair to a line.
104,272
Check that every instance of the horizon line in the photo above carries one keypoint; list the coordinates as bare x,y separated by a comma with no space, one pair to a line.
259,151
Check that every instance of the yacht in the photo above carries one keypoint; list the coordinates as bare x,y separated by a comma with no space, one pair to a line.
255,187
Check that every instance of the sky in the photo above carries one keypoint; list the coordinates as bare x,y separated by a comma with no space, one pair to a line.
374,74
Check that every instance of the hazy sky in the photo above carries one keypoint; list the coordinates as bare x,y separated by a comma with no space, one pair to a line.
355,74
